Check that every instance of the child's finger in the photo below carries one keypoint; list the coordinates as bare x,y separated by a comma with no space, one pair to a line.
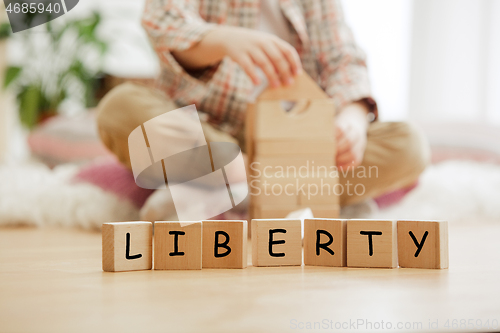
292,56
248,66
261,60
343,145
280,63
346,158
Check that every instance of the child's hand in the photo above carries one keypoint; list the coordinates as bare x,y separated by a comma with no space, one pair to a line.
249,48
351,129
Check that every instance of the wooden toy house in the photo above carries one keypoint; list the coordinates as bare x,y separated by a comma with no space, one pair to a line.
290,142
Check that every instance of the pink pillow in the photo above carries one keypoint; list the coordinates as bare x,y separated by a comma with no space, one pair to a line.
111,176
62,139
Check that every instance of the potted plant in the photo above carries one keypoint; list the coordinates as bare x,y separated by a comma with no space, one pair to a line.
64,62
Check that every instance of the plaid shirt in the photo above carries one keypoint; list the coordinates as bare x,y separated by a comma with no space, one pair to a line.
320,35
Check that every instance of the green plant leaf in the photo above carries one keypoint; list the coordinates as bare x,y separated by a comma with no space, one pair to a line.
5,30
30,98
11,74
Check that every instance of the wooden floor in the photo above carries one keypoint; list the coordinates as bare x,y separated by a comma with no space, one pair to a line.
51,281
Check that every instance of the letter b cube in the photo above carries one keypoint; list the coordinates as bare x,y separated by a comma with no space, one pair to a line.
225,244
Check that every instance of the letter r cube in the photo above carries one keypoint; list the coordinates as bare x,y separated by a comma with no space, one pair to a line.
325,242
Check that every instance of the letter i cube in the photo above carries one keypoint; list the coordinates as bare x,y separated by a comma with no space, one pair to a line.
177,245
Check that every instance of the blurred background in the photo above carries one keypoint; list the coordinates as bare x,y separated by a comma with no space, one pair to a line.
435,63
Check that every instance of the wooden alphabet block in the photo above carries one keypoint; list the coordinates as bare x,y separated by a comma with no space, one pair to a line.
423,244
126,246
325,211
325,242
294,147
276,242
318,199
273,211
225,244
372,243
304,166
309,119
177,245
281,211
269,192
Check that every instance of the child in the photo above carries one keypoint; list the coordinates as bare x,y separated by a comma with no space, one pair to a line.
209,51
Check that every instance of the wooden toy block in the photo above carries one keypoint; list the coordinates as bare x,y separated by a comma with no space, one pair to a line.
291,128
276,242
372,243
325,211
268,191
325,242
273,211
294,147
249,134
281,211
177,245
423,244
225,244
320,164
304,87
126,246
278,199
313,198
309,119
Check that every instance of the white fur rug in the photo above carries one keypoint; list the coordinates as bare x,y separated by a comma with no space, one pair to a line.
35,195
457,191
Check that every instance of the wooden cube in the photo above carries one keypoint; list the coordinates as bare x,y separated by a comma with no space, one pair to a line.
423,244
225,244
276,242
311,120
269,192
127,246
325,211
272,211
294,147
372,243
177,245
306,166
281,211
325,242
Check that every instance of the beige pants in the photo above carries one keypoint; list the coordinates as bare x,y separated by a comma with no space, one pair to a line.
396,153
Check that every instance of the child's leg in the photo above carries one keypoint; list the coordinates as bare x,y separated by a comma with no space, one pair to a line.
395,156
130,105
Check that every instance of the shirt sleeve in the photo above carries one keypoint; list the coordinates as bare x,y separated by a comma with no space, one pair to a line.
343,72
175,25
220,90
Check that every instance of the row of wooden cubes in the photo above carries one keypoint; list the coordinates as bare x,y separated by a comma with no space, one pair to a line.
275,242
